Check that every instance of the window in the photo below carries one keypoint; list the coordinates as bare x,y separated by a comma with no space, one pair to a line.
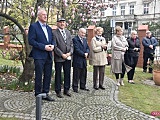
114,11
131,9
122,10
146,8
102,13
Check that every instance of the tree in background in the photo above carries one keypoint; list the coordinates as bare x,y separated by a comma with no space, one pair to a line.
81,13
19,14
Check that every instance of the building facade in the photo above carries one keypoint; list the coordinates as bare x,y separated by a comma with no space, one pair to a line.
131,13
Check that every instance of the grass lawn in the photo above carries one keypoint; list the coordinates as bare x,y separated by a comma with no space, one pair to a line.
140,96
6,61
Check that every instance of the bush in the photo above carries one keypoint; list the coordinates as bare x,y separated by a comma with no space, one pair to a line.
15,71
11,54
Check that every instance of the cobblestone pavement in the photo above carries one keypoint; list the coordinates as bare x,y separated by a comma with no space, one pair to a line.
85,105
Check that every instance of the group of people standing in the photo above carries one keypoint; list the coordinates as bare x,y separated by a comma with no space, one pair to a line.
68,52
73,52
125,53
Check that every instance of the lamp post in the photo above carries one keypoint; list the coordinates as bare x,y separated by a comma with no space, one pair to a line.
38,105
112,25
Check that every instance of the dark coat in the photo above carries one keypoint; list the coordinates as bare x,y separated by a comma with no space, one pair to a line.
80,49
147,42
131,53
38,40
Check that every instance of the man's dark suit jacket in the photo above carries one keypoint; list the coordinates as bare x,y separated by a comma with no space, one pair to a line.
62,47
146,42
80,49
38,40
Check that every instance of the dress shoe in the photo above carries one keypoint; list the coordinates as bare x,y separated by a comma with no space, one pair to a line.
131,82
101,87
59,95
145,71
96,88
85,89
48,98
76,91
67,94
121,82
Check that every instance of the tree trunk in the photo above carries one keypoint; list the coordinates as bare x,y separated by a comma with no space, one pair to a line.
28,66
28,70
27,62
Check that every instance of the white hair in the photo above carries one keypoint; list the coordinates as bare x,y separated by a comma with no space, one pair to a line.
40,11
82,29
133,32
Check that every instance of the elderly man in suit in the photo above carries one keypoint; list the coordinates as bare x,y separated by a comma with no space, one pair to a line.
80,54
149,42
41,39
62,57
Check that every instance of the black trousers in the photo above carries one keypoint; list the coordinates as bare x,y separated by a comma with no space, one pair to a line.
147,56
79,75
130,74
58,75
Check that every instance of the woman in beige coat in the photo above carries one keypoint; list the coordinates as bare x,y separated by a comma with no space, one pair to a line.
98,58
119,46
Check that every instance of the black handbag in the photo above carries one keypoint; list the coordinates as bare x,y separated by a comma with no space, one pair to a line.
128,59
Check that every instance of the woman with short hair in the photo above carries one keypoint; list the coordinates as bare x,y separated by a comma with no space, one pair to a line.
97,58
132,54
119,46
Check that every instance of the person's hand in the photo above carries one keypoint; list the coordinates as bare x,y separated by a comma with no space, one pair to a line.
52,46
49,47
124,49
68,54
86,55
136,49
104,46
64,56
151,46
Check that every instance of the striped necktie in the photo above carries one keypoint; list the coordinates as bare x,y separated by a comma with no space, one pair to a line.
63,34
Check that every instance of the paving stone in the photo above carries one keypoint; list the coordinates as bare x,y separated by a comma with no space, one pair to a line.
85,105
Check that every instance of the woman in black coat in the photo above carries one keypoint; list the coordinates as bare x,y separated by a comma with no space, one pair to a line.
132,55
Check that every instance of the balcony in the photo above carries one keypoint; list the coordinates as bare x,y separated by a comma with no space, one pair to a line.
147,1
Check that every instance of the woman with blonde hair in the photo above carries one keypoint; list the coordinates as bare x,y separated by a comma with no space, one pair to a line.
97,58
119,47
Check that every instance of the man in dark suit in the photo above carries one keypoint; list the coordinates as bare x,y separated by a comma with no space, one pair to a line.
62,57
80,54
41,39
